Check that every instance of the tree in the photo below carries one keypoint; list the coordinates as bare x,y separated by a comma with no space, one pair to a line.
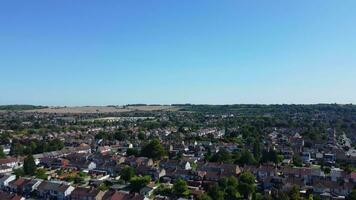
208,154
215,193
153,150
271,156
229,186
247,184
297,161
259,196
228,181
132,152
2,154
127,173
19,172
327,170
232,181
55,145
141,136
294,194
223,182
41,174
105,186
29,165
204,197
222,156
163,190
16,149
137,183
180,188
231,193
257,150
246,158
120,135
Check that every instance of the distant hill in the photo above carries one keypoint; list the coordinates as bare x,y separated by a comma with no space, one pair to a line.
20,107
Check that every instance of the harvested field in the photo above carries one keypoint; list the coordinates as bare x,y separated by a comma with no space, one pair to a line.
102,109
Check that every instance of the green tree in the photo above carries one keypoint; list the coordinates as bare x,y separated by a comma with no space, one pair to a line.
153,150
246,158
327,170
180,188
55,145
231,193
216,193
229,186
33,146
132,152
141,135
294,194
163,190
16,149
204,197
271,156
137,183
127,173
105,186
259,196
19,172
257,150
120,135
246,184
29,165
208,154
222,156
297,161
2,154
232,181
41,174
223,182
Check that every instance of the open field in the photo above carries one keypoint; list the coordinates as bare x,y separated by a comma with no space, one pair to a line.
103,109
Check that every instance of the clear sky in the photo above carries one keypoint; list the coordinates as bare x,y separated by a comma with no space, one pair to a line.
81,52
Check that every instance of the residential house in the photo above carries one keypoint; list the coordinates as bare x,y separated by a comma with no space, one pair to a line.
137,161
10,196
11,162
121,195
5,170
81,193
17,186
52,189
5,180
155,173
148,189
336,174
31,186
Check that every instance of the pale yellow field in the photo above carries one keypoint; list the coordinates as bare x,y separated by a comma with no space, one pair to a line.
102,109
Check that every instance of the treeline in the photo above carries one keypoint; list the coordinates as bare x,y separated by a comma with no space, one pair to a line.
245,109
35,147
142,104
20,107
231,188
245,157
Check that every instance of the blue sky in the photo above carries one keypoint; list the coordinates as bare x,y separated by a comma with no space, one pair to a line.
80,52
